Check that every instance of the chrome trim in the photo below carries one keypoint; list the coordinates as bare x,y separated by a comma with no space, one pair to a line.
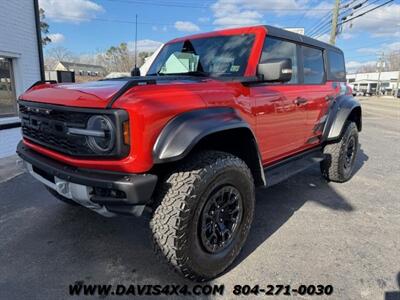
73,191
86,132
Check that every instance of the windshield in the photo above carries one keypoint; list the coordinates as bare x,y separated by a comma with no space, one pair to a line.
211,56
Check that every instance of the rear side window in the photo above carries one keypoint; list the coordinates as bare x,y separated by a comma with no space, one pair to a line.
276,48
337,69
313,65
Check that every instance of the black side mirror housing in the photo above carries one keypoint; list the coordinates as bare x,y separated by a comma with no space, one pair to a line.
276,70
135,72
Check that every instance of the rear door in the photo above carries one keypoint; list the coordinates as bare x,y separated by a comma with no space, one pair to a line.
317,92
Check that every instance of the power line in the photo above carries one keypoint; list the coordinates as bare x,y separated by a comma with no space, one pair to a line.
300,19
320,27
359,6
323,30
366,12
354,7
319,23
348,4
172,4
70,17
152,3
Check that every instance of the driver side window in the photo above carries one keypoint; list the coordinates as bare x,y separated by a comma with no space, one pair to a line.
280,49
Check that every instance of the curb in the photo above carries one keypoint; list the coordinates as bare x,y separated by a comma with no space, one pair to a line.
10,167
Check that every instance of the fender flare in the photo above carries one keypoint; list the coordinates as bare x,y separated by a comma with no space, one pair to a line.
184,131
341,109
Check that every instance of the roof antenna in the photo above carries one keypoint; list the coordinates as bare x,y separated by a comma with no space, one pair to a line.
135,71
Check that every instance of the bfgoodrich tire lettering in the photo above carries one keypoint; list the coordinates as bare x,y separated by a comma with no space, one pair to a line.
340,157
175,222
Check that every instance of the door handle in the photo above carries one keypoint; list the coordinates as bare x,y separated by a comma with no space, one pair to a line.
329,98
300,101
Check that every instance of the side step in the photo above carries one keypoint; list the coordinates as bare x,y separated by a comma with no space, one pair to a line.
283,170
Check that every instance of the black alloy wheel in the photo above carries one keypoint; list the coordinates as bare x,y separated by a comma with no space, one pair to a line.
220,219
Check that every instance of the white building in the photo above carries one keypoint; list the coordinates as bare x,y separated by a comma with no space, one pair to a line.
21,64
368,82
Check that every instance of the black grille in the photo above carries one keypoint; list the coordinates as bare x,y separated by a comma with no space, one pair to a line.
47,126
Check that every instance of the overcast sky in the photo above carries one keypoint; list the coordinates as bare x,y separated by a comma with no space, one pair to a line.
87,26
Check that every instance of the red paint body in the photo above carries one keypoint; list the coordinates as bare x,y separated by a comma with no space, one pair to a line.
282,128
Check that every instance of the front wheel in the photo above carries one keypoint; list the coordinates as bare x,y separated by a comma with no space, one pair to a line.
204,216
340,157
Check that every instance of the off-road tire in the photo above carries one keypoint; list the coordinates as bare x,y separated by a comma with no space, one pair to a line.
182,196
61,198
333,166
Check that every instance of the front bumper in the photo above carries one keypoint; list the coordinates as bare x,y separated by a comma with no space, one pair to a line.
107,193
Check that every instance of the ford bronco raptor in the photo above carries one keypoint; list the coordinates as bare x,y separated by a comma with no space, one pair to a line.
217,115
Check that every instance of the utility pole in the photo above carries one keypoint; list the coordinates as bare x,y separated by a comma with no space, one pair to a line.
335,16
380,64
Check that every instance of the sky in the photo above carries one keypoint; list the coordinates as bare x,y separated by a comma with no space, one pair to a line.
89,26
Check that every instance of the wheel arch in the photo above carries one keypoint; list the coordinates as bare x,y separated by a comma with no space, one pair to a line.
209,129
344,108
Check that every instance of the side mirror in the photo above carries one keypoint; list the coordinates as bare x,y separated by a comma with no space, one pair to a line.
276,70
135,71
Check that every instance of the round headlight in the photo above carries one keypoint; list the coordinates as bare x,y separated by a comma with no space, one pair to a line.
105,140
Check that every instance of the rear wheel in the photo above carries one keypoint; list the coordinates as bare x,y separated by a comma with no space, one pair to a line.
204,216
340,157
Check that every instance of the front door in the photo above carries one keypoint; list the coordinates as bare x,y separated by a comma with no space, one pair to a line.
279,107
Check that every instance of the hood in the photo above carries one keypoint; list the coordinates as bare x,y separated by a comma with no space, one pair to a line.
97,94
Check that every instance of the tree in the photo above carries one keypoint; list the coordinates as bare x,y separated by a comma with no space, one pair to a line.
369,68
59,53
393,61
55,55
44,28
117,59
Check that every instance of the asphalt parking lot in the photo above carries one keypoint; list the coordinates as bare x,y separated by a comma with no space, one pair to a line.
306,231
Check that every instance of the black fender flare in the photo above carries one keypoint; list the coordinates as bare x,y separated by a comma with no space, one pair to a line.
185,131
341,109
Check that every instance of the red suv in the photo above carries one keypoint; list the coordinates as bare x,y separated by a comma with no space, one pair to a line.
217,115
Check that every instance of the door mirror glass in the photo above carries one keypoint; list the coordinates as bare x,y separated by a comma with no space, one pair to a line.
276,70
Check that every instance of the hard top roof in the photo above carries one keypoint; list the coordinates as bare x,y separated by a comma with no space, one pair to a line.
296,37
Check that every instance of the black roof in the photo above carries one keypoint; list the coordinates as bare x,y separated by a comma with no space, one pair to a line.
278,32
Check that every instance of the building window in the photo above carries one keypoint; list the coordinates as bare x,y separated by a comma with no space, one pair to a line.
8,103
